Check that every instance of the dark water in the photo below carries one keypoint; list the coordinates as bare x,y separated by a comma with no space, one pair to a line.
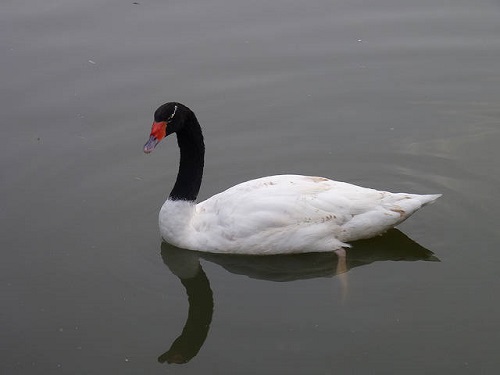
393,94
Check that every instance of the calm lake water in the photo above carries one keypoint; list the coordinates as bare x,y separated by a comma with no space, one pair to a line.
393,94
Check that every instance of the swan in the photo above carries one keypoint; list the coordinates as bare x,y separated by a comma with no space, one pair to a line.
280,214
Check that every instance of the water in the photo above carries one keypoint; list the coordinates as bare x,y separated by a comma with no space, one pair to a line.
396,95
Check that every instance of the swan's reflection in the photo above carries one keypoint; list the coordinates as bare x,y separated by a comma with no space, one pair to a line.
185,264
201,306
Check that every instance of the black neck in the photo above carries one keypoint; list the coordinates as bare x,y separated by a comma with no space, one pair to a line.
190,140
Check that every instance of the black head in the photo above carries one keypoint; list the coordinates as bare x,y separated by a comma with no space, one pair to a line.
169,118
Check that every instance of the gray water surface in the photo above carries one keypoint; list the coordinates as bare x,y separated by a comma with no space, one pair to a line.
392,94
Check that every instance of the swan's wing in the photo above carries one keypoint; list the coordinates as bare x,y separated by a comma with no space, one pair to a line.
315,211
272,201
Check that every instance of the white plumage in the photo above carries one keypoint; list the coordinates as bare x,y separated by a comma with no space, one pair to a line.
285,214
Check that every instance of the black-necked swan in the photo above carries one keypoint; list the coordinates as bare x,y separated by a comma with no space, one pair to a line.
280,214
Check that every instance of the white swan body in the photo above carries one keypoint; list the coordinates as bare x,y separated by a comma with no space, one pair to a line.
285,214
270,215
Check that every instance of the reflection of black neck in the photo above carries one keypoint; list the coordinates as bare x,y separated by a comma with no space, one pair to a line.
201,307
192,147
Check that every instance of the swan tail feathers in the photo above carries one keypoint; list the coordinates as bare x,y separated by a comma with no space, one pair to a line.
428,198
